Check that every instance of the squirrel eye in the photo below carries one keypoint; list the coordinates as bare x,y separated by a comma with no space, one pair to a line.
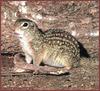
25,24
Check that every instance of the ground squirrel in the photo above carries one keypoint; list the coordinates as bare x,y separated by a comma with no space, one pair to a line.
54,48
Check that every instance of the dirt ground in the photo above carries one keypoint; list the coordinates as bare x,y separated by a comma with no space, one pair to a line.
86,77
80,18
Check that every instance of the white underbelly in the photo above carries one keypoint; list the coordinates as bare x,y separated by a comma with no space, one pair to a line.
26,47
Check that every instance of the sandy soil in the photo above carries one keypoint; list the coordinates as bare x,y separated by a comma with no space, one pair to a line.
84,77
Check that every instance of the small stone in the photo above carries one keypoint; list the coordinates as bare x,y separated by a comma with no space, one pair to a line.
82,85
92,83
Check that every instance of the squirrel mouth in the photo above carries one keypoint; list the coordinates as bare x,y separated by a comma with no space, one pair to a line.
18,35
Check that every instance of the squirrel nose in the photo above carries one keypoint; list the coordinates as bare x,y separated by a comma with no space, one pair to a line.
16,33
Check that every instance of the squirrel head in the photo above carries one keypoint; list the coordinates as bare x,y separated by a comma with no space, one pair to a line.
25,26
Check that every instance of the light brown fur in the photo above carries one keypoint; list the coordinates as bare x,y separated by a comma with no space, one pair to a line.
54,48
